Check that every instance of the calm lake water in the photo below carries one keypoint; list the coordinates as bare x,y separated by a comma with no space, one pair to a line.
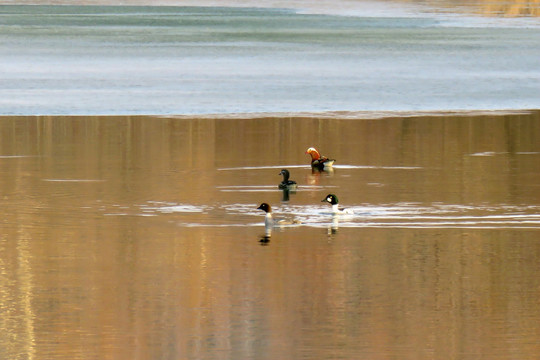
94,60
138,238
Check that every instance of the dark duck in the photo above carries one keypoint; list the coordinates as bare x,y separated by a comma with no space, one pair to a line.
287,184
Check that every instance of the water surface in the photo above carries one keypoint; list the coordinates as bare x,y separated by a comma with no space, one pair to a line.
138,237
199,60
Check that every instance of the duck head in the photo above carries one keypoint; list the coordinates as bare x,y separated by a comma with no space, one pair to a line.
315,154
330,198
265,207
285,174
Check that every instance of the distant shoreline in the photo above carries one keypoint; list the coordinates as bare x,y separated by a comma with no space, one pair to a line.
497,8
338,115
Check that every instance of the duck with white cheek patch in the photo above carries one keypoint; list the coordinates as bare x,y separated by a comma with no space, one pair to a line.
333,200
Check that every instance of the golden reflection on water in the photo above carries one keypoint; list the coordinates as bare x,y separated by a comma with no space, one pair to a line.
504,8
16,309
88,270
508,8
511,8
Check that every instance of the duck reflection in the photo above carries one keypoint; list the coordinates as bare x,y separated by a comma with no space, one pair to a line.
264,240
327,171
285,196
334,226
314,177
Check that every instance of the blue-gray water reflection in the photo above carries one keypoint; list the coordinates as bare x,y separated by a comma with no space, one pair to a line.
199,60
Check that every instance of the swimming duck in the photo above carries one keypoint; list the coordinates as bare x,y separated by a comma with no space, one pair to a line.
319,161
333,200
286,184
269,221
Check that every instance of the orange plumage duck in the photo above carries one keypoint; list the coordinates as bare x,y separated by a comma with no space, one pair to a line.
319,161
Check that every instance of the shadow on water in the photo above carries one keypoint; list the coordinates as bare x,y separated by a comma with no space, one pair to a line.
141,230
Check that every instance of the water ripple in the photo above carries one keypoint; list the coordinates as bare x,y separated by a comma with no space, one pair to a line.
365,216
